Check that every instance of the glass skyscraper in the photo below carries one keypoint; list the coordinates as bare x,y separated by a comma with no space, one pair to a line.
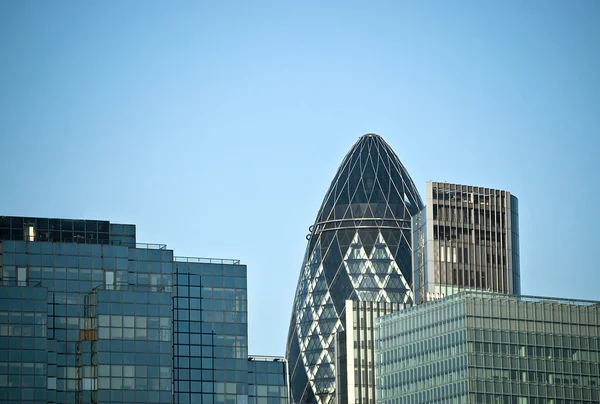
359,249
89,316
479,347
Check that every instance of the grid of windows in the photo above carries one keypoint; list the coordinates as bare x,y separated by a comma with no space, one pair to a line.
421,355
133,353
23,345
467,237
210,333
98,319
355,351
57,230
267,381
490,348
130,279
122,234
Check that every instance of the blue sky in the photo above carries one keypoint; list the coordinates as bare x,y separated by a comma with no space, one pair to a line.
216,127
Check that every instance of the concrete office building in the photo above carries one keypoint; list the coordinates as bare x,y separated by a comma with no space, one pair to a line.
355,350
479,347
465,238
87,315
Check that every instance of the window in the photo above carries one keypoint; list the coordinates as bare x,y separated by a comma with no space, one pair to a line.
109,279
29,232
21,276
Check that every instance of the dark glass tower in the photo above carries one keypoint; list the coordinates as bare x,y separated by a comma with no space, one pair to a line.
87,315
359,248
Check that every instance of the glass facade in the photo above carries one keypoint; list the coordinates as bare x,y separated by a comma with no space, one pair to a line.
466,238
89,316
210,332
490,348
66,231
130,361
267,380
359,248
23,343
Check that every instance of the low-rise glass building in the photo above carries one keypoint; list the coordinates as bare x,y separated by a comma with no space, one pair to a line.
87,315
210,326
267,380
477,347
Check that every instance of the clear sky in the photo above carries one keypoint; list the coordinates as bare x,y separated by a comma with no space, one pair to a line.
216,126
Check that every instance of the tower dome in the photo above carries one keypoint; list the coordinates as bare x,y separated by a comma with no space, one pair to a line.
359,248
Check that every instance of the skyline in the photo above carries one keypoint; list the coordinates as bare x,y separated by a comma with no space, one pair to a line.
217,129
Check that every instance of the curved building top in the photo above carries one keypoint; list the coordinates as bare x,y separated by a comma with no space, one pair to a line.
371,185
358,249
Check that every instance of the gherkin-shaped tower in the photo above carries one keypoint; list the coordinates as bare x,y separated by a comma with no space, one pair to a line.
359,249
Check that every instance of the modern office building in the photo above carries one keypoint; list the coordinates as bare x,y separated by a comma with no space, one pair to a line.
87,315
267,380
465,238
359,249
355,350
479,347
210,331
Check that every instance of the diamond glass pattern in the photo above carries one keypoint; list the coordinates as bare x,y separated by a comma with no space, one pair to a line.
359,249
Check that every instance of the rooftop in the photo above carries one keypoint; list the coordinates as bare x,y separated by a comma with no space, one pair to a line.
489,296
